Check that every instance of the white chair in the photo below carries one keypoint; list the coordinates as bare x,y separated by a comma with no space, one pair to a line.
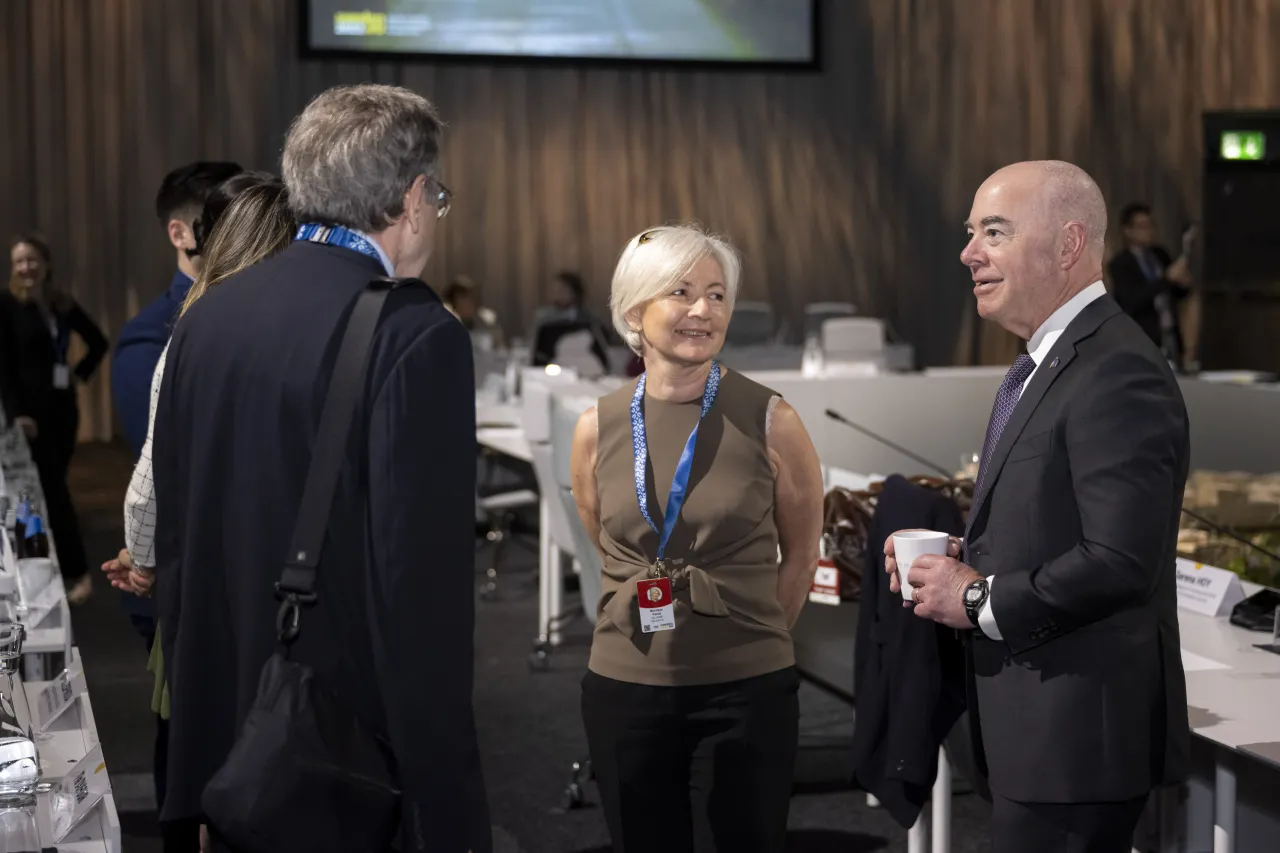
853,339
574,350
753,324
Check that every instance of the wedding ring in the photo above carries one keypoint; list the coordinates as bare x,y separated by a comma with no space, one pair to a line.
915,595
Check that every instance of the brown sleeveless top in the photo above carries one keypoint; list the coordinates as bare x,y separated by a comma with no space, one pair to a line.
723,552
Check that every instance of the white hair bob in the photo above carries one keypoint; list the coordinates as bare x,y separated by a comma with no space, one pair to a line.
655,261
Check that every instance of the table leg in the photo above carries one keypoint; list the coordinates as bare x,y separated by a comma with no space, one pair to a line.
545,558
942,805
555,593
1224,806
918,835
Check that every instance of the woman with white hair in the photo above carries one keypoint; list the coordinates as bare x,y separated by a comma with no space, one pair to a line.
692,481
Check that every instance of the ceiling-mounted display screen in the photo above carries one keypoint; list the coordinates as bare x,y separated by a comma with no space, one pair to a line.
728,31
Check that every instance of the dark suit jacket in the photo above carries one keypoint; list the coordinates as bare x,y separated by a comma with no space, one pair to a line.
1084,700
137,352
240,402
1137,295
908,692
30,353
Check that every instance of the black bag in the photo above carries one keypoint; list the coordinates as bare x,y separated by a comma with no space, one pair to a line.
305,774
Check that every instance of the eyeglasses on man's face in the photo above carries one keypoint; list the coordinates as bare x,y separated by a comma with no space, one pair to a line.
443,198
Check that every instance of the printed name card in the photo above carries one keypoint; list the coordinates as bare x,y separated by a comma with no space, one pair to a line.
1207,590
55,699
77,793
826,584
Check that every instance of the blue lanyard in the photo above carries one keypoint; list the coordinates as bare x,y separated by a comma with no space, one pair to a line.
336,235
679,485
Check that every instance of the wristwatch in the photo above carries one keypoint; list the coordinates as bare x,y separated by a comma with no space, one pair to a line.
975,597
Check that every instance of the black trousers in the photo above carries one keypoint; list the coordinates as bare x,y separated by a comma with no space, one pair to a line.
1064,827
704,769
51,450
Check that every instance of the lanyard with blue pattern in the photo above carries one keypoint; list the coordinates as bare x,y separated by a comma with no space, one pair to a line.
680,484
336,235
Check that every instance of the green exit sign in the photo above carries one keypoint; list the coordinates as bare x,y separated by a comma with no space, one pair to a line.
1244,145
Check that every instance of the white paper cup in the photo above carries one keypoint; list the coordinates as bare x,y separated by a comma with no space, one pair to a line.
910,544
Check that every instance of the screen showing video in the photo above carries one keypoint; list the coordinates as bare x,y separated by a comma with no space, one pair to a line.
752,31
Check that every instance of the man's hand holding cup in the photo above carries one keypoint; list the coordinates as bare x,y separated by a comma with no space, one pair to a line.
934,579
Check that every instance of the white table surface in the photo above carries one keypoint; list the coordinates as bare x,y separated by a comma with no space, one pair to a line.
1237,705
496,415
71,737
509,441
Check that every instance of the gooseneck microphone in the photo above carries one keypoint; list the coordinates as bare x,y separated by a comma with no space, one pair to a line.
839,418
1220,529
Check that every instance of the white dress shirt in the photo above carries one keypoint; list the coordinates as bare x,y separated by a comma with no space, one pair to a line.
1038,347
140,499
382,253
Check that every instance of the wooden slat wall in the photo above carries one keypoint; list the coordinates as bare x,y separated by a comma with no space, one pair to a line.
845,184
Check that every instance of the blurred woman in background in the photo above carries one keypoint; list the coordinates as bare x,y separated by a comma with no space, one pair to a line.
244,222
692,481
37,321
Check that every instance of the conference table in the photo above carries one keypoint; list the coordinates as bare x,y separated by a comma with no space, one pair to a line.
51,667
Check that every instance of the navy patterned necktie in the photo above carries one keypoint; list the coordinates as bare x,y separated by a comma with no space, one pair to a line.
1006,402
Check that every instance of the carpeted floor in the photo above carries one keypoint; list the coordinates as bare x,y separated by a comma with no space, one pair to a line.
528,721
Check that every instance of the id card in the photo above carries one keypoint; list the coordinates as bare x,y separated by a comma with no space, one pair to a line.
657,611
826,583
61,377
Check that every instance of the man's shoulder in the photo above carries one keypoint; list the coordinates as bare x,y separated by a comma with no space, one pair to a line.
1120,352
415,319
152,322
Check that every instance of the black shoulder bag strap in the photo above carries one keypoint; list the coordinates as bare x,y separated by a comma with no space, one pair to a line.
297,584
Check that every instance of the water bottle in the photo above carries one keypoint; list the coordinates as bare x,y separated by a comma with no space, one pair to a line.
814,361
35,542
20,517
511,378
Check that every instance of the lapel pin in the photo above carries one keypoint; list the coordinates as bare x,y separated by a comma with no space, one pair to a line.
1053,364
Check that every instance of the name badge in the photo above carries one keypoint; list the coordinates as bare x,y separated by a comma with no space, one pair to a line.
657,611
826,584
61,377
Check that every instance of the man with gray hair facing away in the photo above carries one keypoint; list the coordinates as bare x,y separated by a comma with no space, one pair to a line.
249,367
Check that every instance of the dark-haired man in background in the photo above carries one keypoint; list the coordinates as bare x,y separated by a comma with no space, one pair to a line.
1148,283
182,195
181,198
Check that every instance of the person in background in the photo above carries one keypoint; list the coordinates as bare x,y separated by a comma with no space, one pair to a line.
689,701
179,203
568,316
462,298
1067,594
37,320
254,226
1147,283
245,379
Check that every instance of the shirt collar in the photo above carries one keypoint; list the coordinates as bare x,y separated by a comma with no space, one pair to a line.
179,285
1049,332
382,253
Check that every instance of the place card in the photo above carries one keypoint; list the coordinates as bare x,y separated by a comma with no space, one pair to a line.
57,697
1207,590
77,793
826,584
